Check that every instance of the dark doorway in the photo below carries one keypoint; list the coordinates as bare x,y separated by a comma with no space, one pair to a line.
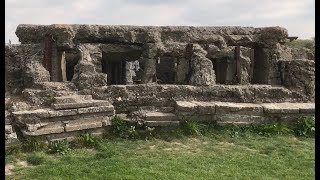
166,70
115,63
260,67
72,59
225,70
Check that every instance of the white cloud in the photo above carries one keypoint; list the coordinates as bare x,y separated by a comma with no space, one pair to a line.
295,15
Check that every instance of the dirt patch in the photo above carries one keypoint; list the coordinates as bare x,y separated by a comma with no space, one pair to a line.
8,169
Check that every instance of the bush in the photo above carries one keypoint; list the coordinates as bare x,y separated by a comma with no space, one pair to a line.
305,127
35,159
32,144
60,147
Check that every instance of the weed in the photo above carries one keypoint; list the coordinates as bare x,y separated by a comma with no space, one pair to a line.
32,144
86,140
13,149
119,126
305,126
270,129
60,147
191,127
104,152
35,159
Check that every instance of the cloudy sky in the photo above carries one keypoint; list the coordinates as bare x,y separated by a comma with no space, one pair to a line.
298,16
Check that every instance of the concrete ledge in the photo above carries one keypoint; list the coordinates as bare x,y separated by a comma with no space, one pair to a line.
159,116
280,108
50,128
162,123
83,104
239,108
82,124
72,99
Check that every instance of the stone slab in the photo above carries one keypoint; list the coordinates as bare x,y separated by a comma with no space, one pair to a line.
280,108
162,123
71,98
82,124
50,128
159,116
97,109
83,104
238,108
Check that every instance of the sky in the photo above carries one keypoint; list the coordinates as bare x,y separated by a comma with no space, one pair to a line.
298,16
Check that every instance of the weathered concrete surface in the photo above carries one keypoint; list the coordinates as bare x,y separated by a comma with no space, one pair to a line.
66,35
23,67
242,113
298,75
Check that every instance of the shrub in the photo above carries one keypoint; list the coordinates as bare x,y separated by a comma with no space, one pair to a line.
32,144
35,159
60,147
305,126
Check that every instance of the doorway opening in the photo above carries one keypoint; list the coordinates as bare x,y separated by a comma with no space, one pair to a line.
166,70
120,66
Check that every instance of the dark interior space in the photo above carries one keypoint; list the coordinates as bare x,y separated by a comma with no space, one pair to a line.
72,59
260,67
225,70
114,65
166,70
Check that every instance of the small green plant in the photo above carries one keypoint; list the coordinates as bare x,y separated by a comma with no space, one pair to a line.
86,140
13,149
35,159
191,127
119,126
305,126
105,151
32,144
270,129
59,147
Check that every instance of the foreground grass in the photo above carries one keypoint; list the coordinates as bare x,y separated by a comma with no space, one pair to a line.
215,155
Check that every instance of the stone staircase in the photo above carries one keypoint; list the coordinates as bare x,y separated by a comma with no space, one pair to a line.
67,116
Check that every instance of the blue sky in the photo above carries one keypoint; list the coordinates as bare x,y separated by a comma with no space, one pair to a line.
298,16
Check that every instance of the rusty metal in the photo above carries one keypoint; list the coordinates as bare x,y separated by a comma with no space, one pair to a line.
47,59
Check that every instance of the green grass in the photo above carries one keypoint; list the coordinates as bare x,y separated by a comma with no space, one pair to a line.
216,154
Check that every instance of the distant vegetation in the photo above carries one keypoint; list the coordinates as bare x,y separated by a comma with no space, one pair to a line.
300,43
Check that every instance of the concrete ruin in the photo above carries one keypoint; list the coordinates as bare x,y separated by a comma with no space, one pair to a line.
67,79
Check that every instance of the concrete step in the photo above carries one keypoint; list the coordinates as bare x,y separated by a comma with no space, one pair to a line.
72,99
47,114
254,109
65,126
160,116
83,104
57,86
161,123
50,128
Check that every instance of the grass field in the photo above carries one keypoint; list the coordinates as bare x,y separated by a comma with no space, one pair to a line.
216,154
